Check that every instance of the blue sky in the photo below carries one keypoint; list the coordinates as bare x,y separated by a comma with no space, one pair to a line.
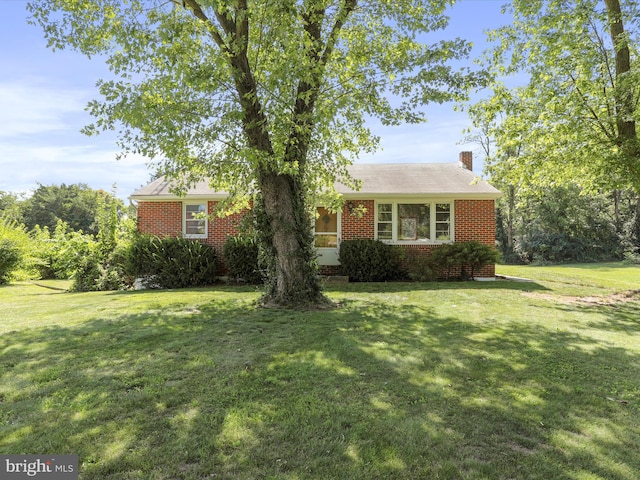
43,95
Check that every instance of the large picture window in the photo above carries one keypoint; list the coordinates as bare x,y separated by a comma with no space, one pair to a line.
414,222
195,220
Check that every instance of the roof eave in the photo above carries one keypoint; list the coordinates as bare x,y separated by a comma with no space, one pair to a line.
443,195
177,198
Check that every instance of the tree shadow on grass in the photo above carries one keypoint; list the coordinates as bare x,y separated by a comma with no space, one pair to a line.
395,287
616,316
220,390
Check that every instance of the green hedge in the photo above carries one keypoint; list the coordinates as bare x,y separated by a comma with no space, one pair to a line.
365,260
240,255
172,262
464,255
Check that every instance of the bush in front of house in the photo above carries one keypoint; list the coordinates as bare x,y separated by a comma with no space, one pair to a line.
475,255
466,257
172,262
366,260
418,265
94,273
241,258
138,258
445,258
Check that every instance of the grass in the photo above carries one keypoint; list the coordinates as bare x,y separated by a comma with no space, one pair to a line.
500,380
602,277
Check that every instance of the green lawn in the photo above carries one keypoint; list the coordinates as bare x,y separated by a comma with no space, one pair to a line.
496,380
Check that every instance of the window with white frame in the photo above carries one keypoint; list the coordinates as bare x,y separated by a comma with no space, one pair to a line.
195,220
385,221
406,221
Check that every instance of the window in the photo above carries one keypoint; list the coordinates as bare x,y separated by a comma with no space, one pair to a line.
443,221
195,220
414,222
385,221
326,229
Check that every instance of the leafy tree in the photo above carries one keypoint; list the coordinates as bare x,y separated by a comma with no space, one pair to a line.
564,225
72,249
575,119
18,251
12,239
257,96
10,206
77,205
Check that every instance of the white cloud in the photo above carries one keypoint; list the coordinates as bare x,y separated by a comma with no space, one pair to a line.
40,142
30,108
25,166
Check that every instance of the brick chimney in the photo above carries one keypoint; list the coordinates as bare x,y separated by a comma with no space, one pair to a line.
466,159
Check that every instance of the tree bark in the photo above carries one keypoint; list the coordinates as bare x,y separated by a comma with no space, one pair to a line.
283,223
510,215
627,138
636,226
286,238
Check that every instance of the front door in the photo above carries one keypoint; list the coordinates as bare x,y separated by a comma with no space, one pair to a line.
327,238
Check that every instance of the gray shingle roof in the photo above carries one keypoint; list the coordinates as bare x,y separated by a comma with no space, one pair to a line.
418,179
161,188
396,179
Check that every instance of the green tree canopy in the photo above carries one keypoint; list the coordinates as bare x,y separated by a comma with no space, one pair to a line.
260,96
76,205
10,206
574,120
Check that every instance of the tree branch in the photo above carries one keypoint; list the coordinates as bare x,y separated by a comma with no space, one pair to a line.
594,114
309,89
213,30
347,8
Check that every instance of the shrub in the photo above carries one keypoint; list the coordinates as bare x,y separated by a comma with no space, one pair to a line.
15,245
419,267
241,258
476,255
86,275
473,255
365,260
445,258
70,251
138,257
172,262
94,274
10,257
41,254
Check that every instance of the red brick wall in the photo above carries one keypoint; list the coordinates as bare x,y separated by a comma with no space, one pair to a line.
222,227
163,219
473,220
355,226
476,220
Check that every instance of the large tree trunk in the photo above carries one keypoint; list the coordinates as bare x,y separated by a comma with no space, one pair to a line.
283,223
636,227
624,94
286,238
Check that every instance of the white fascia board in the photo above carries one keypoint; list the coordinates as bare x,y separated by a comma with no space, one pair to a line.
443,196
176,198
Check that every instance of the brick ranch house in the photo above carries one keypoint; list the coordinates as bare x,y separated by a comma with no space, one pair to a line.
417,206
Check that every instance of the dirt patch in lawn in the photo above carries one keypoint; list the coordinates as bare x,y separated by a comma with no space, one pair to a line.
611,299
